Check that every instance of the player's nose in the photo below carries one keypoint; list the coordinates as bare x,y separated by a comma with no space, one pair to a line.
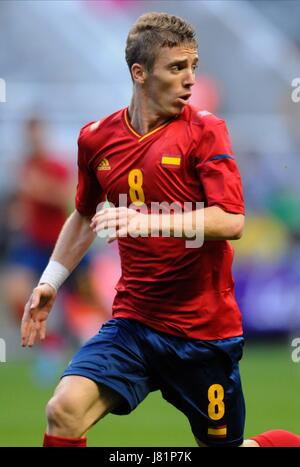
189,79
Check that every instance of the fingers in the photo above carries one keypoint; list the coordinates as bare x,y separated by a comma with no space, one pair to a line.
107,222
31,327
24,332
33,333
43,330
30,330
25,324
112,214
36,312
116,222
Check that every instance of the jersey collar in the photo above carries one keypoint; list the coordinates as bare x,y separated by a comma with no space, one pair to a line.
138,135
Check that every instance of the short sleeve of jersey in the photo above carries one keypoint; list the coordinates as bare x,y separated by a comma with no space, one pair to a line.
218,171
89,193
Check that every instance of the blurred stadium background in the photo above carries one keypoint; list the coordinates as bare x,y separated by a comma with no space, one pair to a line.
63,64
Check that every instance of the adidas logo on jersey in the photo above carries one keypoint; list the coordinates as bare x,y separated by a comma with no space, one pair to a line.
104,165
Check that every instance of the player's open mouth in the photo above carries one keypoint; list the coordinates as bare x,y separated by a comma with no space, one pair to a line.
184,98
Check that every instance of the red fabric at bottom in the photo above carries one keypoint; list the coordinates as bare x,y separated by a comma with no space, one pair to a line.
277,438
60,442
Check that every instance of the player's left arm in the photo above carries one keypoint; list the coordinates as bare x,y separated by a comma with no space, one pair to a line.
220,179
212,222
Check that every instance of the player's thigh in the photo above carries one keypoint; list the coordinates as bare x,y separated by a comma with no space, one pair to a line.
114,359
202,380
84,398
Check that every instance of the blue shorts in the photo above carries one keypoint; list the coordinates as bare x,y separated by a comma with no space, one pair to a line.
25,253
200,378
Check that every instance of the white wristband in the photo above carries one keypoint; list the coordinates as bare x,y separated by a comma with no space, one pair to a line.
55,274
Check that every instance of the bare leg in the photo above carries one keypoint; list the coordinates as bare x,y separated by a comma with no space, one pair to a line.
77,404
249,443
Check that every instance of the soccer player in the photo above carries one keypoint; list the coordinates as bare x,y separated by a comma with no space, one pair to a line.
42,196
176,325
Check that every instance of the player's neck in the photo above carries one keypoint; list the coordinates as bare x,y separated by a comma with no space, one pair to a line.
143,118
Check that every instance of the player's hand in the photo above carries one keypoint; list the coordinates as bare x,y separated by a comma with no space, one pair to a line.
120,222
36,313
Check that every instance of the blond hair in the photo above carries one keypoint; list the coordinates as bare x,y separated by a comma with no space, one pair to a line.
152,31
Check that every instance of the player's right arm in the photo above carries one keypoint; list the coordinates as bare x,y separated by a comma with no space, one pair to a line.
73,242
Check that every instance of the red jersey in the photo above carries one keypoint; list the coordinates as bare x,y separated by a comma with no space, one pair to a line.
187,292
43,221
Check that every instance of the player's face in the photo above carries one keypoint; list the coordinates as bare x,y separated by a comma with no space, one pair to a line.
169,85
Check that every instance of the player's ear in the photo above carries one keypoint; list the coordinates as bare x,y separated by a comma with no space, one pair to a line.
138,73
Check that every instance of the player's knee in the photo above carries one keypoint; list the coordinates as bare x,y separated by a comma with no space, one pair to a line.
63,414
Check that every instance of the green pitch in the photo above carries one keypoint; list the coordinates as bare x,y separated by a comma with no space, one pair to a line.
271,386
